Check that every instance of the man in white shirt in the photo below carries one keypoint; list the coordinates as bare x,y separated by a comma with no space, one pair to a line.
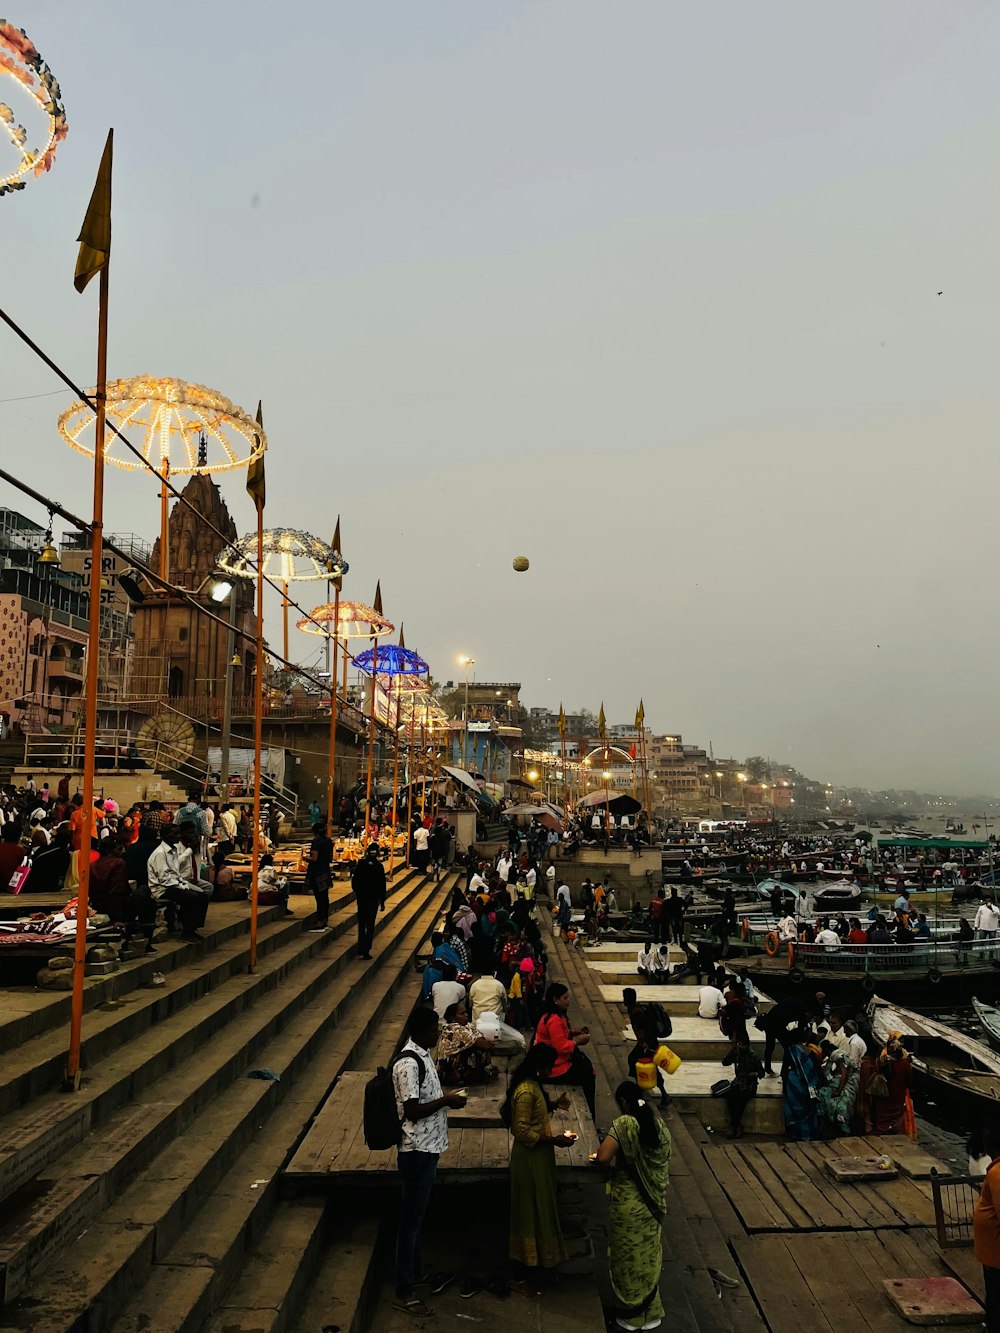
476,885
788,929
503,867
550,882
645,960
530,879
168,884
837,1034
421,848
562,892
447,991
828,938
422,1107
987,920
710,1002
857,1047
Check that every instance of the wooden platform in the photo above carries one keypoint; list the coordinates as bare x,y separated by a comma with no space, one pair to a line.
334,1151
806,1254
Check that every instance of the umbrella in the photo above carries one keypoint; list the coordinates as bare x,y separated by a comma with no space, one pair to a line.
466,780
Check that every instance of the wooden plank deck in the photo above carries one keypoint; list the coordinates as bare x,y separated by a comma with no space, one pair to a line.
334,1150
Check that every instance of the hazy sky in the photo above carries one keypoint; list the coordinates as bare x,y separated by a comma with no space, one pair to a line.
646,291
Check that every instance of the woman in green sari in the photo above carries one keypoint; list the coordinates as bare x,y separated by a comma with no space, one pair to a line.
536,1240
637,1149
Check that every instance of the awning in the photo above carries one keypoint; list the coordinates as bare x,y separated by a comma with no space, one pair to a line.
957,842
618,805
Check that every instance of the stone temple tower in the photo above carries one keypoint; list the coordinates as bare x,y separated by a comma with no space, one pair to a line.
178,653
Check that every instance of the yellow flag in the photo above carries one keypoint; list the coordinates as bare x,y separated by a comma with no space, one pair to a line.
338,582
640,716
95,234
562,721
602,725
255,472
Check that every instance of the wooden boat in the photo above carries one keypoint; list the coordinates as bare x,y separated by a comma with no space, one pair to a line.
927,972
839,896
953,1067
989,1017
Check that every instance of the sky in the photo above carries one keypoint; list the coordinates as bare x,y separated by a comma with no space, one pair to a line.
696,306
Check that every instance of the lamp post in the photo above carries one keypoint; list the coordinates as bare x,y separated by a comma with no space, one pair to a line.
466,662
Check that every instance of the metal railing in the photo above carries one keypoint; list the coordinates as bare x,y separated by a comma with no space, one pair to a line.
760,924
930,954
955,1198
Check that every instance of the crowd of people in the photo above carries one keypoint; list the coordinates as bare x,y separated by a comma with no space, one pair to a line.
486,990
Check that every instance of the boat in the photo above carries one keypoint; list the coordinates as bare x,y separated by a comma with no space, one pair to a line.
839,896
941,970
989,1018
953,1067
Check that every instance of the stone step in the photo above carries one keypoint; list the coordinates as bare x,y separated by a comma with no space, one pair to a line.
163,1255
29,1013
265,1297
240,1018
52,1122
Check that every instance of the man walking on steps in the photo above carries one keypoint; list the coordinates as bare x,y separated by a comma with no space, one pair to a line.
368,880
318,873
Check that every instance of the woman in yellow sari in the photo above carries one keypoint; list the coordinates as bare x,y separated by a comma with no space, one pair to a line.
637,1150
536,1240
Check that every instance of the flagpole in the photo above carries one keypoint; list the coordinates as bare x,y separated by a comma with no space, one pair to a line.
258,730
412,777
371,746
395,778
333,704
72,1083
164,521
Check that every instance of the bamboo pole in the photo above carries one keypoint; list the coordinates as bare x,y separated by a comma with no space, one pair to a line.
284,615
258,729
72,1083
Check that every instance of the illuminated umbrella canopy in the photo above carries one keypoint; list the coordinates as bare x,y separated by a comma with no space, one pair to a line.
35,148
289,556
392,660
349,620
187,428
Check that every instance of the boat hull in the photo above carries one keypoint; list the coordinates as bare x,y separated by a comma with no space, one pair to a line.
910,986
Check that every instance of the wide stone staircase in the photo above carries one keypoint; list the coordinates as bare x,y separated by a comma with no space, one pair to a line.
150,1199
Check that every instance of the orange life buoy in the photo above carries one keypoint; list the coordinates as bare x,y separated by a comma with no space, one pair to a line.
771,944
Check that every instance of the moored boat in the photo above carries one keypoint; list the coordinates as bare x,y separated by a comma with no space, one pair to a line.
989,1018
954,1067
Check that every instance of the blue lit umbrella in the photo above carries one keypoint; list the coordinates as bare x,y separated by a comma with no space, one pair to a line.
390,659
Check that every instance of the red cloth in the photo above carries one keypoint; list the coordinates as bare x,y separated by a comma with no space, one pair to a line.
11,856
553,1030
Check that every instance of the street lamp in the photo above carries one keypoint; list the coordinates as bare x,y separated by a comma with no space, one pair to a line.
466,662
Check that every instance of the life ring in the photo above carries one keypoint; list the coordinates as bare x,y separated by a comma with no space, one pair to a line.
745,931
771,943
796,976
934,976
868,983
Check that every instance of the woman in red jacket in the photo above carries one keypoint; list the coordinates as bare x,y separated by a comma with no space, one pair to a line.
571,1065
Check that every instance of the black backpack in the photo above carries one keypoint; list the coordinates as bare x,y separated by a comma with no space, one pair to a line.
660,1018
383,1127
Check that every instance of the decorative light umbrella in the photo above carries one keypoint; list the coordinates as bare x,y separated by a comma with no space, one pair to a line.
20,62
289,556
410,687
397,663
179,429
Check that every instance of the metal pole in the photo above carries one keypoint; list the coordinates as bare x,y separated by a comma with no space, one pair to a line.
465,722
